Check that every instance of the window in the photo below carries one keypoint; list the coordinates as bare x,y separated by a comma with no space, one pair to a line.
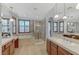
61,26
55,26
23,26
6,25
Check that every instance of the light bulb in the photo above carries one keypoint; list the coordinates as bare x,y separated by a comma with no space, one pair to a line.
77,7
65,17
11,19
56,16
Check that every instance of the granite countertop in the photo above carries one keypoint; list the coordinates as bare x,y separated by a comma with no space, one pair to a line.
66,43
6,40
71,33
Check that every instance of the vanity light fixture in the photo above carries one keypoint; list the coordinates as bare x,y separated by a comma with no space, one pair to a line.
56,16
77,6
64,17
11,19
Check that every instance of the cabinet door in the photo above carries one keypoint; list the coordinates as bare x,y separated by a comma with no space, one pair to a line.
16,43
11,48
6,51
63,52
48,47
53,49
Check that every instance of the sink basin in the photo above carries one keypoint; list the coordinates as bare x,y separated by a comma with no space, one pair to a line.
76,37
71,36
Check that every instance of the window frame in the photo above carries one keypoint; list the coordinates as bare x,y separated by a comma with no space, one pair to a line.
61,26
55,26
24,25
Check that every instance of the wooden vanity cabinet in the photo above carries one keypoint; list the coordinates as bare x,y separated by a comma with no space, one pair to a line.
8,49
53,49
48,47
62,51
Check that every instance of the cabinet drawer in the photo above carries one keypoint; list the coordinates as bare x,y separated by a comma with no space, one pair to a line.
61,51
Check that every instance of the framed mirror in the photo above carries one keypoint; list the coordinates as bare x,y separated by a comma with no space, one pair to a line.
71,27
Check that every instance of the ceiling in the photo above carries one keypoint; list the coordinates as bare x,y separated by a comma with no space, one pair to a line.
39,10
31,10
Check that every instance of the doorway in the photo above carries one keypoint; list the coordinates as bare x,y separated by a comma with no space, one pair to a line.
49,28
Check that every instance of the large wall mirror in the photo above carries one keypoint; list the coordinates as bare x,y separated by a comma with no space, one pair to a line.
71,27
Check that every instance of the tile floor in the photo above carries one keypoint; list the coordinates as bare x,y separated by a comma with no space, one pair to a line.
31,47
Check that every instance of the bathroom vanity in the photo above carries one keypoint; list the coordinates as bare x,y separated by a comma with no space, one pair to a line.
9,45
62,46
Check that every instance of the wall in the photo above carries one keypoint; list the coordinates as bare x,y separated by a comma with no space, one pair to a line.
77,27
73,16
0,26
43,29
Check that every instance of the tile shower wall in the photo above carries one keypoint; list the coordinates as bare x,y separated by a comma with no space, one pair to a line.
42,28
